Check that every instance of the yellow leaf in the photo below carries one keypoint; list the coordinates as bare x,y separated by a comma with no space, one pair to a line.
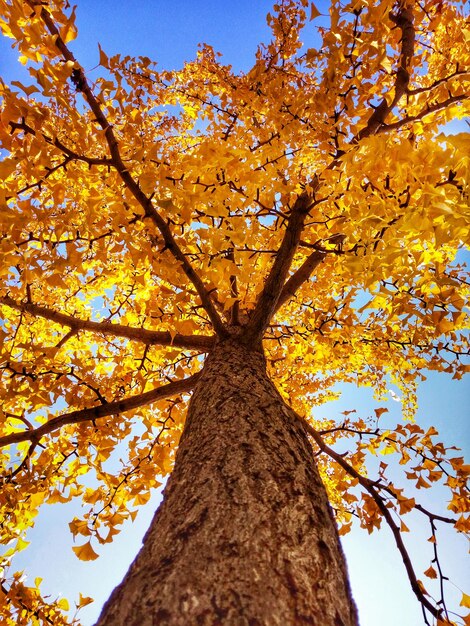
141,498
79,527
422,588
314,12
406,504
462,524
56,496
85,552
28,90
21,544
465,601
431,572
83,601
104,61
69,30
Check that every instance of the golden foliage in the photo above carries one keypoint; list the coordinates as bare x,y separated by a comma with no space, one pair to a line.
313,201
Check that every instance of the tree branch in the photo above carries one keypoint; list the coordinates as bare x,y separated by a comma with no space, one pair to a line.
432,108
299,277
371,488
148,337
74,156
269,296
81,83
19,601
404,20
103,410
235,308
376,124
436,83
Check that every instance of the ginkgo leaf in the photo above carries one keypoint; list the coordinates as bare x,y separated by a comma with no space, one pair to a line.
314,12
422,588
465,601
430,572
84,601
21,544
85,552
79,527
104,61
30,89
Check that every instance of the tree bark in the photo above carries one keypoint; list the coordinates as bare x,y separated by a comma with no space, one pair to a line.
245,534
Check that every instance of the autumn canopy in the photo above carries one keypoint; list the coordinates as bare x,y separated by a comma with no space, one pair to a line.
313,207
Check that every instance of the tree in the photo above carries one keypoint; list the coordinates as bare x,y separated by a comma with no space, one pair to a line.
250,239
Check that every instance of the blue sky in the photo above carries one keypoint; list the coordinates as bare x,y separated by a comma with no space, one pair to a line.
378,579
169,32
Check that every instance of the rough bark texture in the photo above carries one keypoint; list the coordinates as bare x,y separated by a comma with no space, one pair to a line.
245,535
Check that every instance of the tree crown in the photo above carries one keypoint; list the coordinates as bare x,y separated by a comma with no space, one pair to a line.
313,204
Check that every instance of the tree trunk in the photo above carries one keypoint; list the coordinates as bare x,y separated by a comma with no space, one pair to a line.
245,534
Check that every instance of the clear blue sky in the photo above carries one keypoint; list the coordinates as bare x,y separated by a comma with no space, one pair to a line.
169,33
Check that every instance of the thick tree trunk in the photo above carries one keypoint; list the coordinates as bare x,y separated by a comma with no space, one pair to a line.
245,535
